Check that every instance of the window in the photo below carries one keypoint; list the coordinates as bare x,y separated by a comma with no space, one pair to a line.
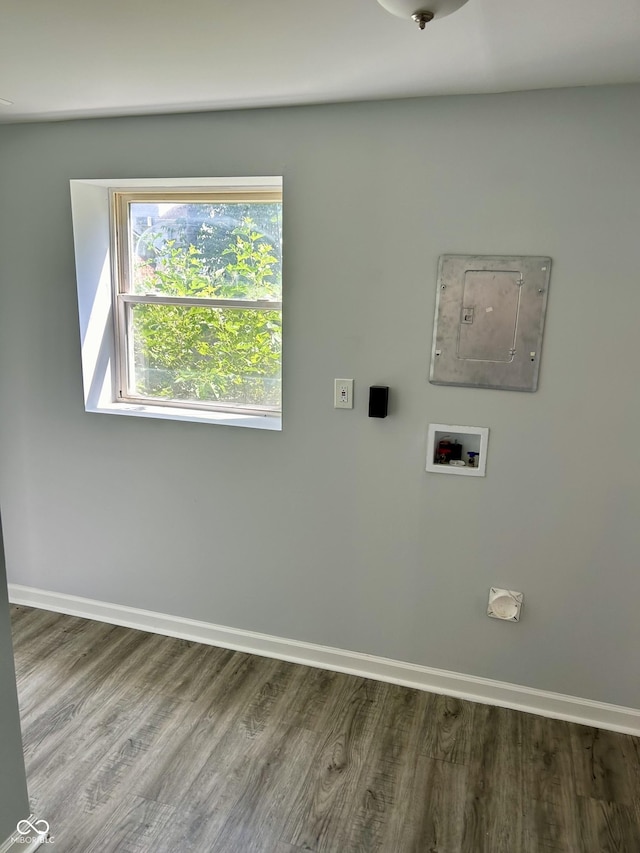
194,275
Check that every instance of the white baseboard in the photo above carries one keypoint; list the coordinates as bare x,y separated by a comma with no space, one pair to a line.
475,689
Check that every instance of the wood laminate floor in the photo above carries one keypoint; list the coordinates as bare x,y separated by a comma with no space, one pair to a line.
138,743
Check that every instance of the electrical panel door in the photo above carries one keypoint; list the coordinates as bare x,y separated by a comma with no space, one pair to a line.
489,321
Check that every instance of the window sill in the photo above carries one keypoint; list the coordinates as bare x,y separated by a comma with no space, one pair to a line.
171,413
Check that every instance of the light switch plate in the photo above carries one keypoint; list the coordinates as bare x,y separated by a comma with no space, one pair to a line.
343,393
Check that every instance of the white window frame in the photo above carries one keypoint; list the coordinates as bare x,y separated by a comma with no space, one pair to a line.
102,294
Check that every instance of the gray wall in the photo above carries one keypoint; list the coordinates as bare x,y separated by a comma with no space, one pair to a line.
14,804
331,531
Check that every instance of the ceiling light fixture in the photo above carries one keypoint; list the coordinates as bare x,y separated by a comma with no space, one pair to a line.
421,11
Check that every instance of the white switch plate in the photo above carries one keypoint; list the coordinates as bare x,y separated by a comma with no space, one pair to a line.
343,393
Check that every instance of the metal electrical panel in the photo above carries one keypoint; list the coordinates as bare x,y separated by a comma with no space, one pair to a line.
489,321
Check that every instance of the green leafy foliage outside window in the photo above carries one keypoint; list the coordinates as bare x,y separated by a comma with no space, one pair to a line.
224,354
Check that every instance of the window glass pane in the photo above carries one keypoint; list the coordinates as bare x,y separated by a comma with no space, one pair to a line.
212,249
215,355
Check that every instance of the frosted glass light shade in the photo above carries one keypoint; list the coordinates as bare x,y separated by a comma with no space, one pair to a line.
407,8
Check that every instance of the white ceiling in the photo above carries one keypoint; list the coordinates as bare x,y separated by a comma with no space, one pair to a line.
67,58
